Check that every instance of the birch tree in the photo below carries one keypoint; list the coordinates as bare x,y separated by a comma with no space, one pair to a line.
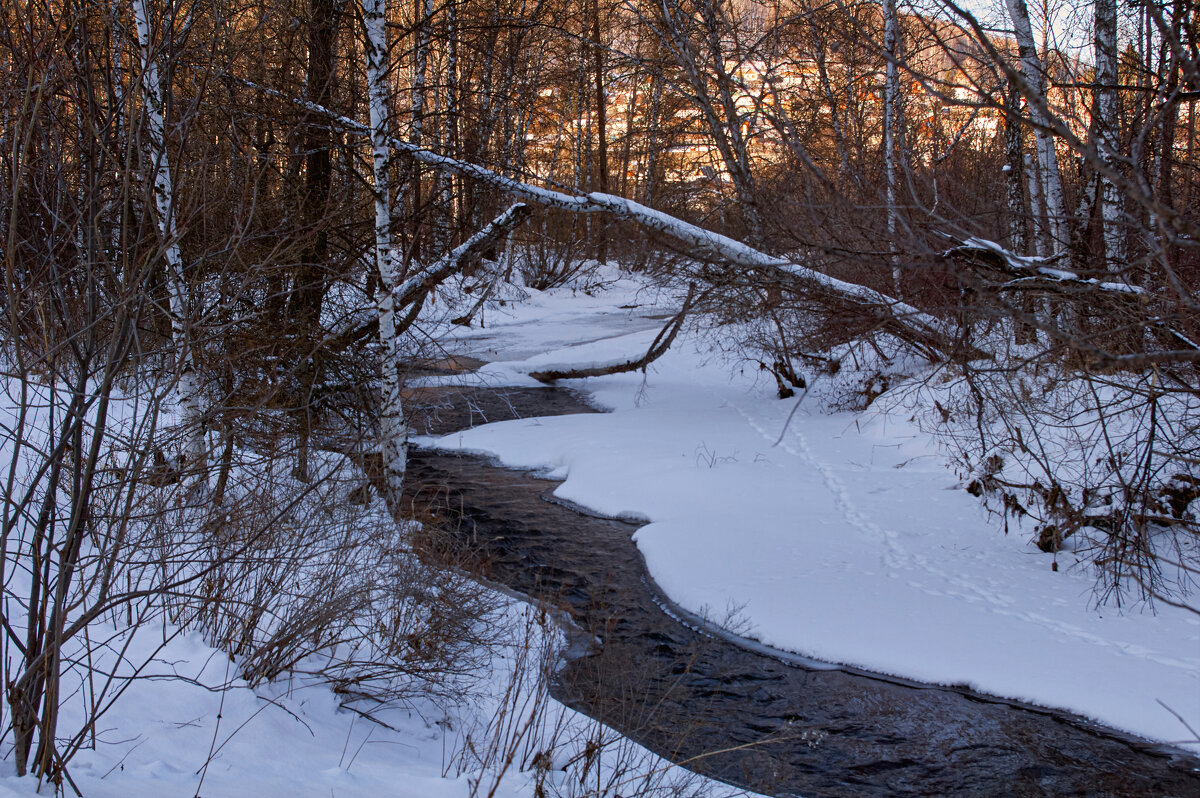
891,98
1105,126
1047,157
188,388
1014,167
698,39
393,432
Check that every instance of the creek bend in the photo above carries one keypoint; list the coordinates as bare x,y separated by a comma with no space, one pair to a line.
784,726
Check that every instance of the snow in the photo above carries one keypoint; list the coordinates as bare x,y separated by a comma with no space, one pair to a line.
849,541
190,728
703,242
182,722
1038,266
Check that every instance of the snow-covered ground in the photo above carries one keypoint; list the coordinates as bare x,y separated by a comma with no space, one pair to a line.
189,727
181,722
838,536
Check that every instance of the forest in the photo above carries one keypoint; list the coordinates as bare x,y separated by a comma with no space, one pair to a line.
239,238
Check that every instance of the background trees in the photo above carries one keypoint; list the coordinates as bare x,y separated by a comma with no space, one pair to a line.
190,218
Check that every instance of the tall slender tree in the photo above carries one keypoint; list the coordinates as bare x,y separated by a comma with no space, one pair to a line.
1105,129
188,390
891,108
393,432
1047,156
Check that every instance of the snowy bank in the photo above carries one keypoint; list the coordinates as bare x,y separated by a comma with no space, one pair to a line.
341,679
849,541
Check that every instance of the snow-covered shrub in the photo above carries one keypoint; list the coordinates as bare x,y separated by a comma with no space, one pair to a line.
104,529
296,569
544,263
1100,465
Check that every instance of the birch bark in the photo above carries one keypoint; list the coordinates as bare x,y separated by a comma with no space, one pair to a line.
891,96
187,385
1051,180
1106,130
393,432
1013,169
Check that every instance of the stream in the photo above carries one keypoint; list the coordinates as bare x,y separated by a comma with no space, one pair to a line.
682,688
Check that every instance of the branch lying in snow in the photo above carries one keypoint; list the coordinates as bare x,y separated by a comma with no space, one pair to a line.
658,347
1034,274
1030,272
894,316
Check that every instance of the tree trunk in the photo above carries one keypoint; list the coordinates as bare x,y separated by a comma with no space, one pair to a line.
187,389
312,275
423,11
1035,90
1014,168
601,164
1105,131
393,432
891,99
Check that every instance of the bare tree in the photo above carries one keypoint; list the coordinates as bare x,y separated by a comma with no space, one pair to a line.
1050,178
189,390
1106,126
393,433
891,110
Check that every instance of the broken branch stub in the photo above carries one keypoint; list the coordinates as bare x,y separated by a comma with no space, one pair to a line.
658,347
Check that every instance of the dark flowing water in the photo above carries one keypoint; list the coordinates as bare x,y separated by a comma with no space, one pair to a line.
758,720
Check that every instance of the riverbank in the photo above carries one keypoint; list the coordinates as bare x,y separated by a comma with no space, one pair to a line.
153,707
840,536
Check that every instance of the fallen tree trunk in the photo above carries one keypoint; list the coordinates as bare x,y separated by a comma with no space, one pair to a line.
924,331
413,291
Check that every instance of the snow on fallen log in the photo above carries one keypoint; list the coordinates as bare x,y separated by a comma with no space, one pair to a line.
418,285
658,347
991,255
894,316
414,289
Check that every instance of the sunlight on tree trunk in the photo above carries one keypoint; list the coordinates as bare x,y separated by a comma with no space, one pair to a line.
891,99
1106,131
1035,86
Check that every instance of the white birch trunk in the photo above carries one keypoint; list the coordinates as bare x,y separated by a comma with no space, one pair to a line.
187,386
454,195
1031,66
393,432
1036,207
1106,130
891,98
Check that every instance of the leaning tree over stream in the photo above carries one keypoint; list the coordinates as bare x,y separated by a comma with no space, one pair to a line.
194,202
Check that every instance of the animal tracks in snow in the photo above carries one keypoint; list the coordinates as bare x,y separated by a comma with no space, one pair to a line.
918,572
794,443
